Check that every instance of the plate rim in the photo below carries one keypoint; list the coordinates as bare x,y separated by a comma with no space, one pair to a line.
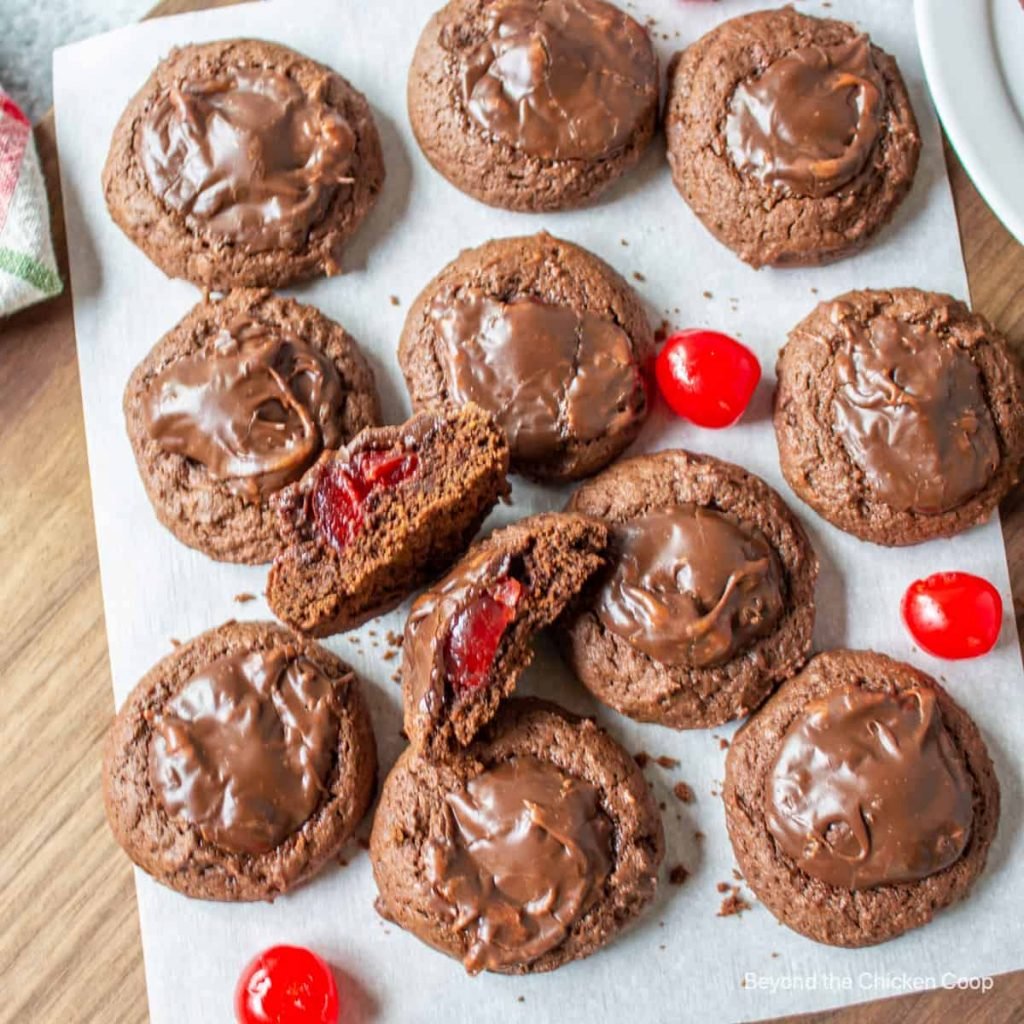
969,26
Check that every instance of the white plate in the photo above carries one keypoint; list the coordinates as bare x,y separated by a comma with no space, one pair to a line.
973,55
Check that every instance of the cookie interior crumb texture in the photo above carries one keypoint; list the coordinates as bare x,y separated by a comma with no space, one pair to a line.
469,638
387,513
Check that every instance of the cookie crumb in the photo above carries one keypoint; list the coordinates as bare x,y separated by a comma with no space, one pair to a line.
520,999
642,758
733,904
698,836
708,295
622,241
175,642
389,655
244,597
395,300
684,792
394,639
667,762
678,875
722,887
637,276
663,331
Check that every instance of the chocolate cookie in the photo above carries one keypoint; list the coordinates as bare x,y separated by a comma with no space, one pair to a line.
233,404
531,849
860,800
469,638
239,764
547,337
533,104
369,524
899,415
708,598
792,138
241,162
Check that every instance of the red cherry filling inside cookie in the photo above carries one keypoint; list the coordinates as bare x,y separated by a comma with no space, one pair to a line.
340,494
476,633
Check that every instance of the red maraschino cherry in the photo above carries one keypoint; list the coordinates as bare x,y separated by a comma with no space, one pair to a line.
287,985
953,614
476,634
707,377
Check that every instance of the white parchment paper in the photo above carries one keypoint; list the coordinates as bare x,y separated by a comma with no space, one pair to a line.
682,961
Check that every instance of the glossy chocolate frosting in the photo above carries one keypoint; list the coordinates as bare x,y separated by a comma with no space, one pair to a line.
869,789
809,121
912,414
255,411
690,587
548,374
560,79
248,158
527,856
243,753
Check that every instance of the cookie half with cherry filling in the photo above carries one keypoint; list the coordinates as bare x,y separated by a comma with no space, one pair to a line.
370,523
233,404
240,162
860,800
530,849
899,415
469,637
239,764
707,602
792,138
533,104
544,335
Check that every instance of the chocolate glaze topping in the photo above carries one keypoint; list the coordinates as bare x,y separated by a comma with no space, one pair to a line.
244,751
868,789
912,415
560,79
547,373
248,158
528,855
809,121
690,587
256,411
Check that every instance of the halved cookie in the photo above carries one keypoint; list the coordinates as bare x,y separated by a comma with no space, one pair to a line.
469,637
241,162
370,523
899,415
239,764
708,599
533,104
531,849
234,403
860,800
547,337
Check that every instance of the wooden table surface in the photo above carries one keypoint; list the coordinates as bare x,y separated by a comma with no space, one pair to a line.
70,949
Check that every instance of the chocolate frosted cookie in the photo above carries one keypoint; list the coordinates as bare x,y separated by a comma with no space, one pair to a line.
241,162
239,764
860,800
792,138
533,104
531,849
899,415
235,403
547,337
370,523
707,601
469,637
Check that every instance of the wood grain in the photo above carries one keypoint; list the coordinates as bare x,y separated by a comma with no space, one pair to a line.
70,949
